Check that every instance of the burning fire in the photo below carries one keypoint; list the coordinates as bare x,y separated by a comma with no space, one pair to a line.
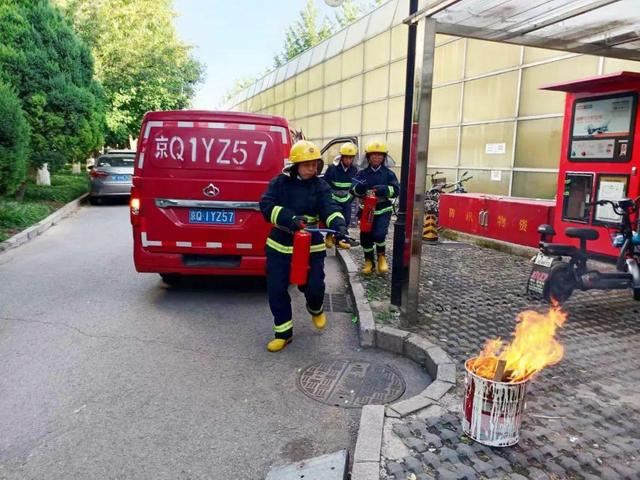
533,348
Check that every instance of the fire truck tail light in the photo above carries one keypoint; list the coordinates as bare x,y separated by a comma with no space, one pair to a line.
135,206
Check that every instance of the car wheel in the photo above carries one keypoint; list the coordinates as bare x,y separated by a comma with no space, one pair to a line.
171,279
95,200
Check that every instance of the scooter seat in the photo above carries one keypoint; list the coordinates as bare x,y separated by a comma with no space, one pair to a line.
558,249
582,233
546,229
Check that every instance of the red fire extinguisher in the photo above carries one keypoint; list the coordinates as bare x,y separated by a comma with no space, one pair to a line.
300,258
368,209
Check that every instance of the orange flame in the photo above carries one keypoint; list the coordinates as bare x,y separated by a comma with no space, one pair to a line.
533,348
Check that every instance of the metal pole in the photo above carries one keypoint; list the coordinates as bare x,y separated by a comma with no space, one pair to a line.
425,52
399,268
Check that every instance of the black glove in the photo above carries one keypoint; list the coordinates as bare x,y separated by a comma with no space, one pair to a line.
381,190
298,222
360,188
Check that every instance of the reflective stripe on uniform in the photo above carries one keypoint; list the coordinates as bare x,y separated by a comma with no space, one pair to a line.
334,215
274,214
341,184
391,190
339,199
283,327
315,312
278,247
380,244
321,247
288,250
367,250
383,210
311,219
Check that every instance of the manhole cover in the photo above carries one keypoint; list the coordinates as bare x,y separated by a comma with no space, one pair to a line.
351,384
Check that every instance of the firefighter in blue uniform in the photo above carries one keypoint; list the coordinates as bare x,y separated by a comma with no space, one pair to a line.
340,177
378,177
295,199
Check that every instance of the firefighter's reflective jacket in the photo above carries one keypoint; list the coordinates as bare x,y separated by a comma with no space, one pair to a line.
288,197
383,180
340,181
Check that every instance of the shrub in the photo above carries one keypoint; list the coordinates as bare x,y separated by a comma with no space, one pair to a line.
14,141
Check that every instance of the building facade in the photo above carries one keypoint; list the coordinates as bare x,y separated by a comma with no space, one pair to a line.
488,115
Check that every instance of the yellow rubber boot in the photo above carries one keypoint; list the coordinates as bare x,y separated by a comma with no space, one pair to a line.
383,267
278,344
344,245
329,241
368,267
319,321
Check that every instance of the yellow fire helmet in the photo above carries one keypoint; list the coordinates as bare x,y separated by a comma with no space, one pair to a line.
349,149
376,146
304,151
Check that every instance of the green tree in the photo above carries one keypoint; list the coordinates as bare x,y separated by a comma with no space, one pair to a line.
351,10
307,31
140,62
14,141
51,71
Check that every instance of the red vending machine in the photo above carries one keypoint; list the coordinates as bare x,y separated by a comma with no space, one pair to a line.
599,159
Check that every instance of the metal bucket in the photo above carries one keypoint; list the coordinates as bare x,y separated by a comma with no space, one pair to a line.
492,411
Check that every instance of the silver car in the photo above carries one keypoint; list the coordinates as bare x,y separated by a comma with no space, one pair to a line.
111,175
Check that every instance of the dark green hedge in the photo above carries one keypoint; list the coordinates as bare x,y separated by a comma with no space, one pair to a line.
14,141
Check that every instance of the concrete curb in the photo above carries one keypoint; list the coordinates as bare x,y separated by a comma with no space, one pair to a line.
499,245
366,464
42,226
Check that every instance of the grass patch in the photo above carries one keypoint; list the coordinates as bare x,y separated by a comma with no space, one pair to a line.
39,202
16,216
64,188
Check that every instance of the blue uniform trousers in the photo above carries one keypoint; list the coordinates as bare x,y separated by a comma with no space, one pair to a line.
278,268
374,241
346,211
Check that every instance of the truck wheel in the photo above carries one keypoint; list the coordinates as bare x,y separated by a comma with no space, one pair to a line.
171,279
560,284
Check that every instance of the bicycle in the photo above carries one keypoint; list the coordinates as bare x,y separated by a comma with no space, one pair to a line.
432,196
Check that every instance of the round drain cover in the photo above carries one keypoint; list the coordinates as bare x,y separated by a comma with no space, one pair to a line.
351,384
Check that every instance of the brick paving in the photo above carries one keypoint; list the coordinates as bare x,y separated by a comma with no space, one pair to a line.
583,415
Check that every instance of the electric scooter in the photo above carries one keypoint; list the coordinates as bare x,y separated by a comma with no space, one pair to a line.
555,279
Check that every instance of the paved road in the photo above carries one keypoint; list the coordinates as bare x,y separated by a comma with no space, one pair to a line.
107,373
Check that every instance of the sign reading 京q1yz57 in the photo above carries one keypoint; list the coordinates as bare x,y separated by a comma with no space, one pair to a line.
211,148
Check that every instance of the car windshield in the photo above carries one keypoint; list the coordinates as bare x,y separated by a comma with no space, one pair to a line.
116,161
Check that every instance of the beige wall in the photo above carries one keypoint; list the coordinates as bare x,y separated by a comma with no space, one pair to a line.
484,94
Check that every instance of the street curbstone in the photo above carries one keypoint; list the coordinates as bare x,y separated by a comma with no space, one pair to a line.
447,373
365,471
359,293
415,347
391,413
42,226
436,390
367,328
410,405
349,264
369,442
436,356
391,339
